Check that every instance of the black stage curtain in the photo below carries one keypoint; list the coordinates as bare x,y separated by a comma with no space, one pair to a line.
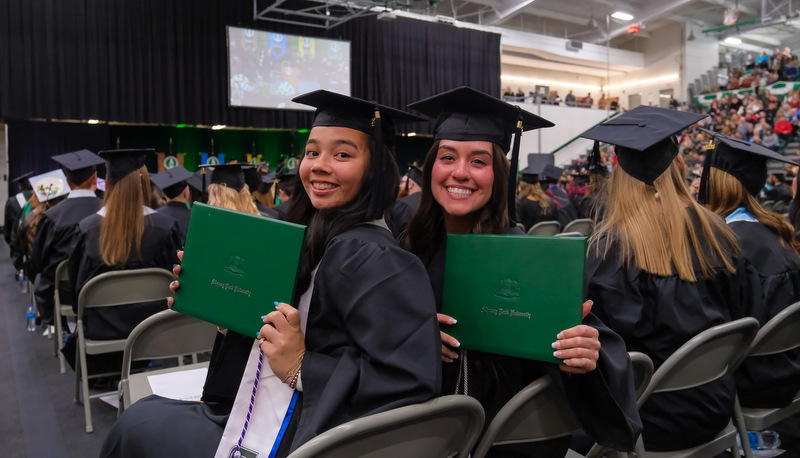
165,62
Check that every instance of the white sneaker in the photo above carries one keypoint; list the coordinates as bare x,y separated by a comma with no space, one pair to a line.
49,332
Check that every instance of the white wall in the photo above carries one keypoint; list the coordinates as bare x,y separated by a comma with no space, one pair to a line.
569,123
549,75
663,56
701,55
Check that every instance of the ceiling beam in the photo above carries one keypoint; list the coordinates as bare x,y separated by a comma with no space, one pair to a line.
660,10
507,10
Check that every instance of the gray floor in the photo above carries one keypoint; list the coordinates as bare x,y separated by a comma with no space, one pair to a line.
38,417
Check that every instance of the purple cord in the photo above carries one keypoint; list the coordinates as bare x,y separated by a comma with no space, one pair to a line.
252,402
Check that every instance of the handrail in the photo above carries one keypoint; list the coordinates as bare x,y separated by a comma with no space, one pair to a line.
569,142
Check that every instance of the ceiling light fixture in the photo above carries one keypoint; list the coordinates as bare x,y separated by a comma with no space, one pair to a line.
93,121
691,35
218,127
622,16
733,41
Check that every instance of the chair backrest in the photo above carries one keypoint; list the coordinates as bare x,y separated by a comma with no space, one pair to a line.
540,411
704,358
642,371
545,228
570,234
167,334
583,225
125,287
442,427
779,334
62,274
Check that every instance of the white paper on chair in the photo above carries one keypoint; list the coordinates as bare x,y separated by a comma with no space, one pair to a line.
181,385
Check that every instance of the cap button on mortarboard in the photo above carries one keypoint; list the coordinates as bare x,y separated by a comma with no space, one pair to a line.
642,124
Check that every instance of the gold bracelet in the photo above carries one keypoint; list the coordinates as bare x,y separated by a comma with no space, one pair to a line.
294,370
293,383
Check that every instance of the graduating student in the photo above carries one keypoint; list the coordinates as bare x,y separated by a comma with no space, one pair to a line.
124,234
465,189
734,173
661,269
533,205
286,187
404,208
55,239
13,213
549,178
363,337
174,184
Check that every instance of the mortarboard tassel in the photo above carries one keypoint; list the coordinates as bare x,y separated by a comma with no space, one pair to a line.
512,173
375,208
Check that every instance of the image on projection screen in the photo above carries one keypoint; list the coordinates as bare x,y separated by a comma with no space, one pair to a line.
268,69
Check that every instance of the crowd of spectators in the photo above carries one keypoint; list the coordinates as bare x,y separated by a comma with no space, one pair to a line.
553,98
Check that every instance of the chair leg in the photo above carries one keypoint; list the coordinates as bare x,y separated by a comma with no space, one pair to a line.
87,401
738,420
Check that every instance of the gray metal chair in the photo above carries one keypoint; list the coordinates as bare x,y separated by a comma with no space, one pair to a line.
166,334
112,289
570,234
545,228
583,225
61,308
642,371
778,335
704,358
442,427
538,412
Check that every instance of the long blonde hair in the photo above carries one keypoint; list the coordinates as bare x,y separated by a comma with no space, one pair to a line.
654,232
225,197
535,190
122,228
726,194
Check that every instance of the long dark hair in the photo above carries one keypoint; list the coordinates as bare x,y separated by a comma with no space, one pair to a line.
426,227
323,225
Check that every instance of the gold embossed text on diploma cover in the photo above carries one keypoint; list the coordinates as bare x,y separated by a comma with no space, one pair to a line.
235,266
512,294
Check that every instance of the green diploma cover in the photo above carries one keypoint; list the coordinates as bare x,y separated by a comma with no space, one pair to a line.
235,266
512,295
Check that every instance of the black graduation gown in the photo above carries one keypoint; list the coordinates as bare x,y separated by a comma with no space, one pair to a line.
655,315
180,213
529,212
769,381
279,211
54,243
403,210
603,400
159,246
779,193
372,344
12,211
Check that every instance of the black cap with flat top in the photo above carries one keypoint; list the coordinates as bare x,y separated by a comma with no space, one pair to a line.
644,139
465,114
415,174
376,120
78,166
536,164
122,162
22,180
551,173
229,175
172,181
745,161
268,178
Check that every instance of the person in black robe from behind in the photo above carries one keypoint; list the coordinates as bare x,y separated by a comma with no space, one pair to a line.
101,246
466,190
408,200
173,184
548,179
286,187
13,213
661,269
371,340
55,236
736,171
533,205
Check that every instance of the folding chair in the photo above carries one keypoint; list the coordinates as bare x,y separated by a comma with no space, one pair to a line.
442,427
776,336
112,289
704,358
538,412
166,334
583,225
61,309
545,228
570,234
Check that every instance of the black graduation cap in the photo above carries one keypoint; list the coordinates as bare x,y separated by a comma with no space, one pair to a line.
22,180
551,173
122,162
197,182
745,161
79,165
230,175
414,174
268,178
644,139
172,181
375,120
465,114
595,164
285,174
